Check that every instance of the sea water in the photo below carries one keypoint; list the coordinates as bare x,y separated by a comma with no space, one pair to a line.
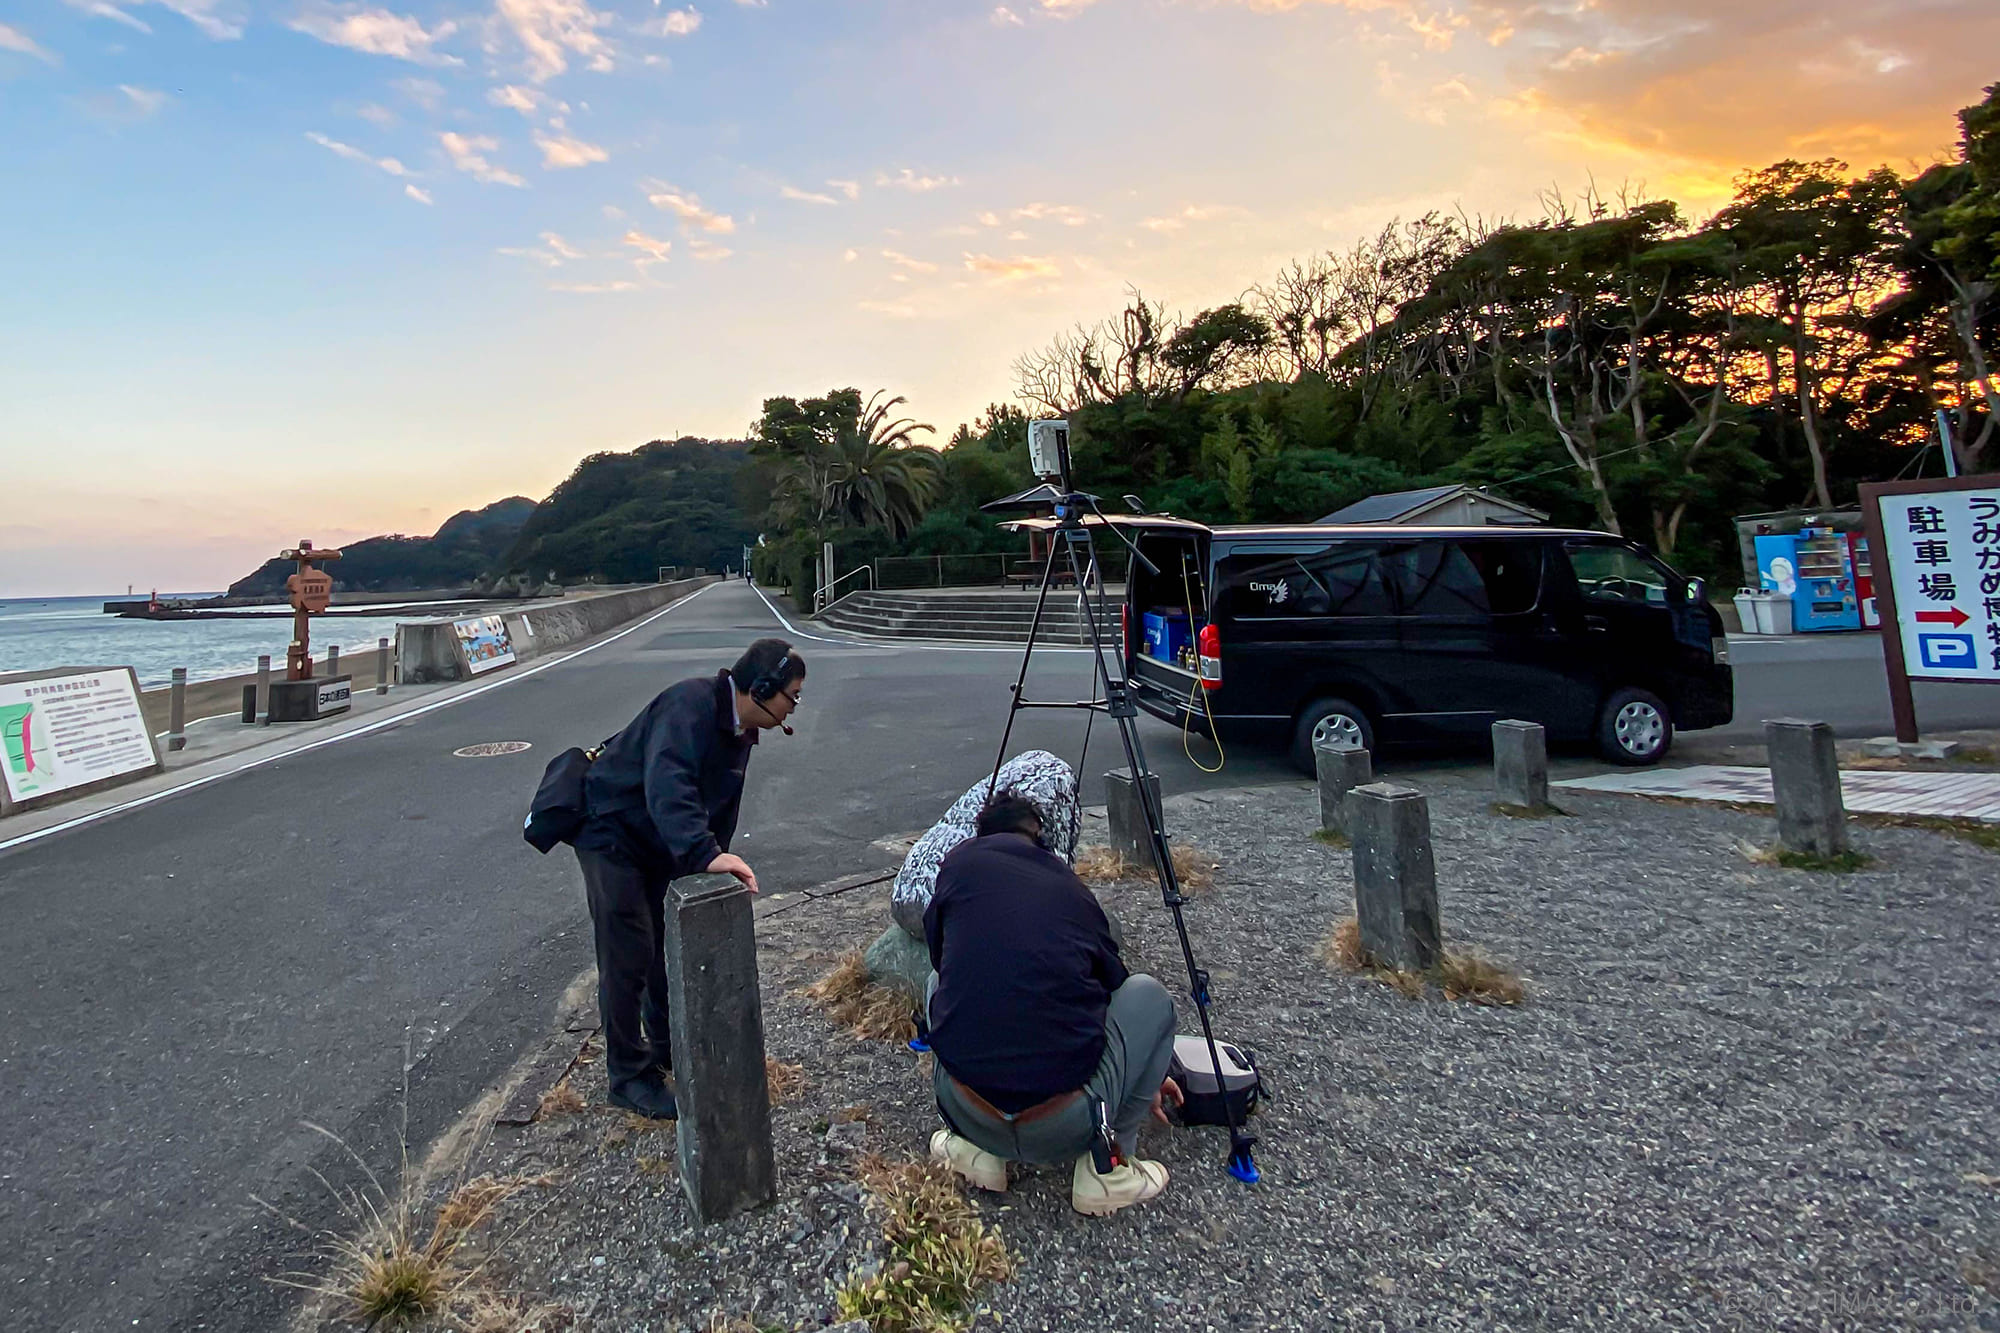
41,633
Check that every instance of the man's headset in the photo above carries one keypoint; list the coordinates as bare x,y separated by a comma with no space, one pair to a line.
766,687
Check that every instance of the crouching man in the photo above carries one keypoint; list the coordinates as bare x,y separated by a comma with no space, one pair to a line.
1037,1027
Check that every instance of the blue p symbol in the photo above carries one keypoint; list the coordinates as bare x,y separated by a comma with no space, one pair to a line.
1948,652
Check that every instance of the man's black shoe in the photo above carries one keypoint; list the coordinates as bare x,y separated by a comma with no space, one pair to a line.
643,1097
663,1056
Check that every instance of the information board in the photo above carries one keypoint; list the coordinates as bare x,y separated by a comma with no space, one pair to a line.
60,732
1943,554
485,641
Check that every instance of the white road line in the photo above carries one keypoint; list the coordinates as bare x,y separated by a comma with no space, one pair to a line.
907,644
24,839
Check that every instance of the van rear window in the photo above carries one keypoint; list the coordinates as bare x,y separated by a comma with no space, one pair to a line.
1387,578
1339,580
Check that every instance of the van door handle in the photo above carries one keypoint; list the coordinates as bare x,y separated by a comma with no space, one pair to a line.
1597,624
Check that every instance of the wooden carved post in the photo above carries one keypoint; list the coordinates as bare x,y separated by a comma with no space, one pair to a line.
311,592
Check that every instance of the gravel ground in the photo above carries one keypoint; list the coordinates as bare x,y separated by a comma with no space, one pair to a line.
1738,1097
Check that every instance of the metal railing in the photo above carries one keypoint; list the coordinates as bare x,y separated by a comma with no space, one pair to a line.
825,597
986,570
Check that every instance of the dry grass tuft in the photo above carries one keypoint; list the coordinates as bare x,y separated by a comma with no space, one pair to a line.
474,1200
488,1312
850,999
939,1254
561,1099
1194,869
1465,976
782,1082
1333,838
1841,863
722,1323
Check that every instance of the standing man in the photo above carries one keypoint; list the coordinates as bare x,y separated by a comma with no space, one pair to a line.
663,796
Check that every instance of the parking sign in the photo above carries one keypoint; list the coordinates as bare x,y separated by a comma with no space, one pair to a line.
1942,546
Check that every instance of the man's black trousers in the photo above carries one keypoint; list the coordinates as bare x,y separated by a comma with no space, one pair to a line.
627,916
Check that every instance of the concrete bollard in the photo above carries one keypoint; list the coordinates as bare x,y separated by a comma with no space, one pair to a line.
1395,879
177,711
1805,786
1342,768
382,666
249,703
264,689
1521,765
333,660
1125,815
724,1134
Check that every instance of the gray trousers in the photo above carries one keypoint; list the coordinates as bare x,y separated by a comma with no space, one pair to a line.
1138,1043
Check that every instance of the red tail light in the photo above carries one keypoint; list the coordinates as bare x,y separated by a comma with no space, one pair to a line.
1209,648
1125,630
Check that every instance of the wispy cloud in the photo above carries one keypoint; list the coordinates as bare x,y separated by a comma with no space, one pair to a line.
516,98
420,195
655,250
707,252
208,15
673,23
145,101
906,179
564,150
426,93
103,9
353,154
376,32
1173,222
1004,17
550,32
1016,269
852,189
688,208
13,39
806,196
906,262
595,288
468,154
381,117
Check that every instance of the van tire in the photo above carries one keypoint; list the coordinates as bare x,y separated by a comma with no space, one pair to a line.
1350,720
1635,729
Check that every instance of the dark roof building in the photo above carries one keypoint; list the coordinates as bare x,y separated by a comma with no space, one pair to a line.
1439,506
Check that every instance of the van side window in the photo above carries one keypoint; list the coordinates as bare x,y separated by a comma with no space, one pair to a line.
1344,579
1436,579
1512,572
1617,574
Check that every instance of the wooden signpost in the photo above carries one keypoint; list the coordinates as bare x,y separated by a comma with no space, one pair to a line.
311,592
1935,547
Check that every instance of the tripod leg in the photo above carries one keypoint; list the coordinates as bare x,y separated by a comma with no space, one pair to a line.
1027,655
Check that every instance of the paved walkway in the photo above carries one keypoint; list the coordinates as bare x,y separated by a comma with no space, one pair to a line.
1947,795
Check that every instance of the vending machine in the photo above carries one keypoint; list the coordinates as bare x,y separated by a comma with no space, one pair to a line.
1815,569
1864,579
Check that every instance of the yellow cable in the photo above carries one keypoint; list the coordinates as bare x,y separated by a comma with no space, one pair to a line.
1221,759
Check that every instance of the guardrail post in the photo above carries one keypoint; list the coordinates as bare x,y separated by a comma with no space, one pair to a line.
1805,786
724,1134
249,703
1521,765
1395,878
382,665
264,689
1131,837
333,660
177,708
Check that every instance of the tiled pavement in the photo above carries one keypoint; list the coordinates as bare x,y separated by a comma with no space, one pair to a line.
1946,795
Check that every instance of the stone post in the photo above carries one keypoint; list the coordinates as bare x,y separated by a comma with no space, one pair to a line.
382,666
264,688
1342,768
333,660
1521,765
249,703
1125,815
1395,880
177,711
1805,786
718,1042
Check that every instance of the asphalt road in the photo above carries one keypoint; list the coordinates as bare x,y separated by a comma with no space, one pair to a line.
357,936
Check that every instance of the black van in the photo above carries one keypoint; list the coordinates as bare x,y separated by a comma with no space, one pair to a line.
1289,634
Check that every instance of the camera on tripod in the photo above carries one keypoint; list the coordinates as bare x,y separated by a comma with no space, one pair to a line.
1048,452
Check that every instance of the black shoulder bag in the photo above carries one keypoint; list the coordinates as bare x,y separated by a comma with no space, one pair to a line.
559,809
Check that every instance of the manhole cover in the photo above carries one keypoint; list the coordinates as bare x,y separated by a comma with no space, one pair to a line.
491,748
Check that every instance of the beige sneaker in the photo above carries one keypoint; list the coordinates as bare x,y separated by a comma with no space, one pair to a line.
1129,1183
970,1160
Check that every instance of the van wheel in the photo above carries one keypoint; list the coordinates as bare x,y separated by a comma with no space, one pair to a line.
1635,728
1325,718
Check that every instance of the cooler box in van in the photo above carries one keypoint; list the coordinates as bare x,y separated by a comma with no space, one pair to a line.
1166,635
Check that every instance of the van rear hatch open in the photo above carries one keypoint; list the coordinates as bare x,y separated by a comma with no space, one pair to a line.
1167,608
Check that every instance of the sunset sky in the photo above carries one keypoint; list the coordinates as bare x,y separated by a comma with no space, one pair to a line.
285,268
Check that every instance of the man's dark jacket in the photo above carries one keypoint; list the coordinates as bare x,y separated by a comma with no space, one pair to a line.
665,791
1026,966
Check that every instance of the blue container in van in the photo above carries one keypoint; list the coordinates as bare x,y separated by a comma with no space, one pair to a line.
1166,635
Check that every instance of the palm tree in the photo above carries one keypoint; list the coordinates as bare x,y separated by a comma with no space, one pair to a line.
876,474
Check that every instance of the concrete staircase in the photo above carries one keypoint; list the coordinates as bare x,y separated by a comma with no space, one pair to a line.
972,615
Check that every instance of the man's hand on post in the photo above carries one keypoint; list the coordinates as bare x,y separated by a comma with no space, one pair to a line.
1169,1095
727,864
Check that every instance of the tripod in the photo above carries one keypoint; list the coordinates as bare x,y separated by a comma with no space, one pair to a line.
1072,537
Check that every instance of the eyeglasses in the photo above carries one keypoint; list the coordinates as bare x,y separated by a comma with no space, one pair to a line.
793,697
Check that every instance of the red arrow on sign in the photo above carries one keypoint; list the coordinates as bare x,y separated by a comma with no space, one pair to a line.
1953,617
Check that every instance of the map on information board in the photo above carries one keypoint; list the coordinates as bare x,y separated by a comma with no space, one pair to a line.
62,732
1943,550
